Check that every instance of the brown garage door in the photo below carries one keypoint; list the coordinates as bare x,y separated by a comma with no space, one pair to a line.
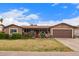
60,33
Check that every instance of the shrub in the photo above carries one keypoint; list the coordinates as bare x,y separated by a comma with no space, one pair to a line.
28,35
16,36
31,34
42,34
2,35
7,36
25,36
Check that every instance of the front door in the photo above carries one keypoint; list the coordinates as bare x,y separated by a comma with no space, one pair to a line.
37,34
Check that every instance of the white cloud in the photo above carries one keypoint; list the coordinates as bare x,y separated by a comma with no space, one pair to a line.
28,17
77,6
65,7
72,21
48,23
54,4
32,16
74,13
12,17
9,21
14,13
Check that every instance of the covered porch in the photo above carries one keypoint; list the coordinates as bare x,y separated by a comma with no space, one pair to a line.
36,31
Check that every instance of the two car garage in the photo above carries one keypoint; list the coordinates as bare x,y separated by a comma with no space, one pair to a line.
62,33
62,30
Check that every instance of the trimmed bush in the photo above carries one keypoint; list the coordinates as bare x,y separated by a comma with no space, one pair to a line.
2,35
42,34
16,36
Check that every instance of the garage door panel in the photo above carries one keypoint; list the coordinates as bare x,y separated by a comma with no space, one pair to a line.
60,33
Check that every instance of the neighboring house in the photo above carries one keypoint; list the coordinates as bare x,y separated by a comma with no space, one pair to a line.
61,30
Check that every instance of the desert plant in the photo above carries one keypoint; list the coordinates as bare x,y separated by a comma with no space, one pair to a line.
42,34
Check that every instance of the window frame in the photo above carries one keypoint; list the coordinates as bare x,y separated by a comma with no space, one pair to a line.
13,28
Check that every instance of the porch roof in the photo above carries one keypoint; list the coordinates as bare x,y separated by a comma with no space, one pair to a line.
36,27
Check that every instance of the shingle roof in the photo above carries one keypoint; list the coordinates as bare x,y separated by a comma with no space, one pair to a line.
34,27
41,27
12,25
63,24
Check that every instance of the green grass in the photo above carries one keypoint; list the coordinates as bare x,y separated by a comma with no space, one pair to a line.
33,45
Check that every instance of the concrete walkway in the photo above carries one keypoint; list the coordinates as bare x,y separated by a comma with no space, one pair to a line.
72,43
23,53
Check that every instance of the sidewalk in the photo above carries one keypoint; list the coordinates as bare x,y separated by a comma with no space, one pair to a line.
22,53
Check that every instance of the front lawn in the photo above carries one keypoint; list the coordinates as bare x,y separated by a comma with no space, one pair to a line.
33,45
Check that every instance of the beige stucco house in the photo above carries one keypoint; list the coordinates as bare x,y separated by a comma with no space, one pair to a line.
61,30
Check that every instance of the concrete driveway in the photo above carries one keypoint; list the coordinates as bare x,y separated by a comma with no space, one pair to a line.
72,43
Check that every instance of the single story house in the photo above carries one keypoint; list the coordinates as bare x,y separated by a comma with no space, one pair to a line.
25,29
61,30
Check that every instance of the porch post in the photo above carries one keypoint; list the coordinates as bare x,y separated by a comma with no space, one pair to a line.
72,33
51,31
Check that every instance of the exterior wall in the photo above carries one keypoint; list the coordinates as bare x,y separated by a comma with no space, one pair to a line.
7,30
62,26
76,32
1,28
37,31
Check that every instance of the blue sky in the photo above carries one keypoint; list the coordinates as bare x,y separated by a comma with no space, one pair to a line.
39,13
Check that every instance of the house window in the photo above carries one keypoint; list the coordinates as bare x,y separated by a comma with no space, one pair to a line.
13,30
